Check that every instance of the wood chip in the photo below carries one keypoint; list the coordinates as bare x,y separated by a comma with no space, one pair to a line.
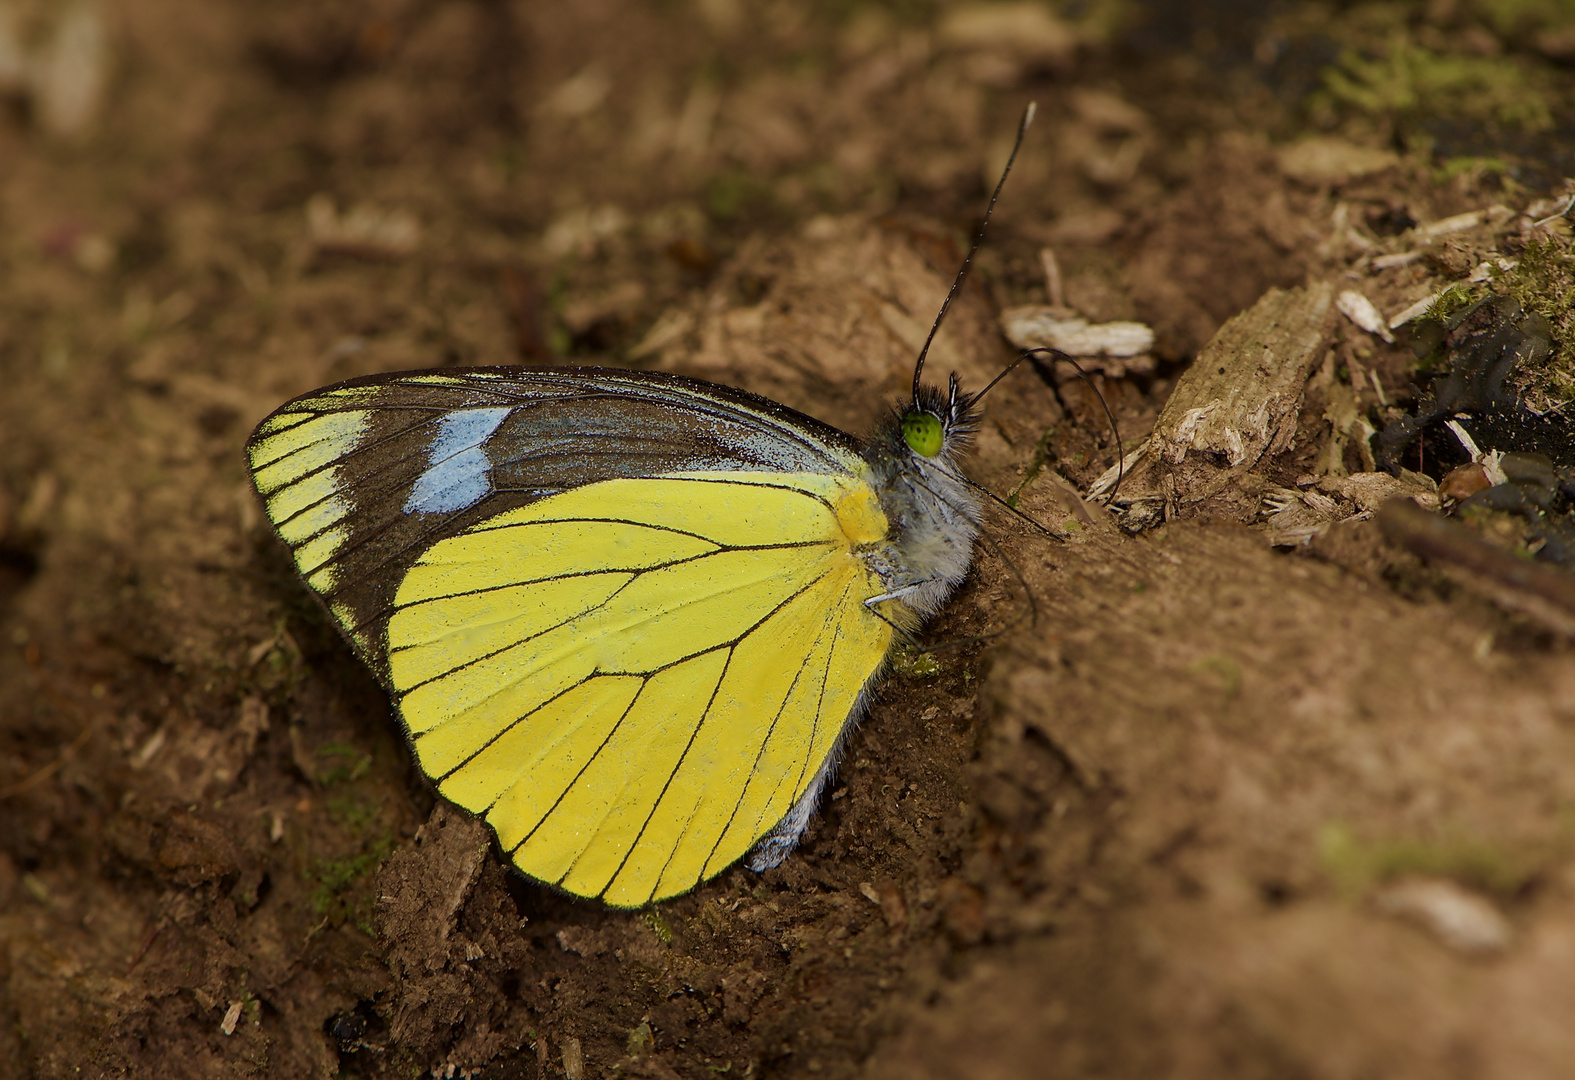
1037,327
1391,262
1461,222
1461,920
1240,398
573,1059
1328,160
1360,310
363,231
1018,29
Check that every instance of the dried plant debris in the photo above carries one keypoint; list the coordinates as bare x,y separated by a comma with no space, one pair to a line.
363,231
56,57
1295,516
1235,414
1458,918
1115,348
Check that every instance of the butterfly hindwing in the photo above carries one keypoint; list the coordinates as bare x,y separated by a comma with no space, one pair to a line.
622,615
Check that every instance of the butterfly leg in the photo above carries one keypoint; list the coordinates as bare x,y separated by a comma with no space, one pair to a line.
903,626
895,594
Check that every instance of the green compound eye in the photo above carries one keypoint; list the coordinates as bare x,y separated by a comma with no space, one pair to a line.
923,433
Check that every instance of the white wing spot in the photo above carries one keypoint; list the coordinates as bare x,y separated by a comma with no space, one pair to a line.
457,466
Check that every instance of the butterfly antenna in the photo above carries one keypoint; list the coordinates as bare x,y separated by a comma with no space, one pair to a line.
1022,129
1004,372
988,494
1115,430
1010,509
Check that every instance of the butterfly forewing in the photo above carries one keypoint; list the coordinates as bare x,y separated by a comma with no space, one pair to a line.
622,614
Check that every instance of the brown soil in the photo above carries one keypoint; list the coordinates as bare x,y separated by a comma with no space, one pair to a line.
1175,804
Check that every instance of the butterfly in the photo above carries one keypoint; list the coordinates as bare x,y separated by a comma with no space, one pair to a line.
627,617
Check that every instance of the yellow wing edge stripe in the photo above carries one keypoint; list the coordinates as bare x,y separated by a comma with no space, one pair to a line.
331,435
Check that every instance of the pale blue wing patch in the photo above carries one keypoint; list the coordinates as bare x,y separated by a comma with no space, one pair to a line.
458,469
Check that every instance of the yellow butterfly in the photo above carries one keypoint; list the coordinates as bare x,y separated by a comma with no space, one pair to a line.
628,617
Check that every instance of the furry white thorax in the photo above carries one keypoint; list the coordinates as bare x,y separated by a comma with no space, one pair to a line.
932,512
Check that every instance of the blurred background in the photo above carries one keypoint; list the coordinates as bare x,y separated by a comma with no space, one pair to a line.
215,855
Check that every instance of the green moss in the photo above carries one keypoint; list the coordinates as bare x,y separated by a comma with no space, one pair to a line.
640,1039
1512,18
342,891
1102,21
352,813
341,884
1406,80
908,661
1455,298
1355,866
350,763
1464,166
659,926
1543,282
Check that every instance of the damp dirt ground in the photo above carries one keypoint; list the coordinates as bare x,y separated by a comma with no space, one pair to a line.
1185,803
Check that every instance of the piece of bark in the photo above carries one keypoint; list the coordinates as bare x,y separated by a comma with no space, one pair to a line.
1240,398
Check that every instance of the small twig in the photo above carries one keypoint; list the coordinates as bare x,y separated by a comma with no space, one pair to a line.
1536,590
1569,204
29,782
142,950
1055,291
1383,399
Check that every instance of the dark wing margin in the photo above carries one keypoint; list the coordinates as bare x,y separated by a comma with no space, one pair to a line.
361,477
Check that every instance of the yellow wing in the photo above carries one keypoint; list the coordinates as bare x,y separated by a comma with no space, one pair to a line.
636,679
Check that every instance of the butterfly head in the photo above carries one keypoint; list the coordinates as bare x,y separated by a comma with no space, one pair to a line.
934,426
